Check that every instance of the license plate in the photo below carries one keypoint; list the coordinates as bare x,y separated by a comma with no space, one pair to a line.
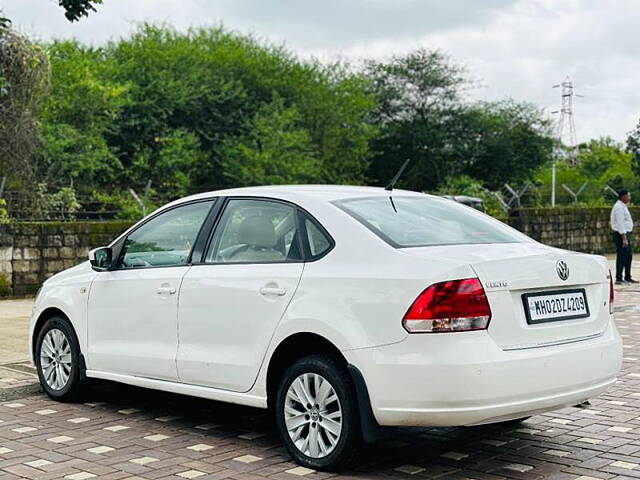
555,306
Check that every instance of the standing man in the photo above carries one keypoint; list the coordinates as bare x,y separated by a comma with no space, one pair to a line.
622,224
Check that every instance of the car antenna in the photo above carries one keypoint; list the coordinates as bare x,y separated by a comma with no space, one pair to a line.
393,182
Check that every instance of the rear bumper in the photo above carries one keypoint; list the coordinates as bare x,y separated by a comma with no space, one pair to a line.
466,379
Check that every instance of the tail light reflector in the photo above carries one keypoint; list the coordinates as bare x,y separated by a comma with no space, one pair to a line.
452,306
610,294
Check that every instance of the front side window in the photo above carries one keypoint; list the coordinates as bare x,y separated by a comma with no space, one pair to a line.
426,221
167,239
255,231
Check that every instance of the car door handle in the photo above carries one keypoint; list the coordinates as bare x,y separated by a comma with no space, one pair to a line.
166,290
273,291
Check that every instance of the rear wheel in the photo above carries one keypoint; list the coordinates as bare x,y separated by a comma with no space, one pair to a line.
316,413
57,359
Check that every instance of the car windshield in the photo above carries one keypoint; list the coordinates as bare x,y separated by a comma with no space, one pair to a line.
427,221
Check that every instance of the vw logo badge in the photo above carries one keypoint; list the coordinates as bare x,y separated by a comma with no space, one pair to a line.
563,270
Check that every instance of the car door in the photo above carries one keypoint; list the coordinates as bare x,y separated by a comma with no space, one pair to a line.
132,310
231,303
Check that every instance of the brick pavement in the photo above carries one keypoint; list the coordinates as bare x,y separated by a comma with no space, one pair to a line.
130,433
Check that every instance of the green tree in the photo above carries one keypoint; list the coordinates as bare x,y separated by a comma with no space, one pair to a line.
208,108
171,164
73,9
619,173
177,81
273,150
466,185
24,81
503,141
335,109
425,116
76,9
633,147
601,162
599,156
419,105
80,115
143,102
4,215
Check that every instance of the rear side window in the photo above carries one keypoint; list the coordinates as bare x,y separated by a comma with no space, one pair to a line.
319,241
255,231
427,221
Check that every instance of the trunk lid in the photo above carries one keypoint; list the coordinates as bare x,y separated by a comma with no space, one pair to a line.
509,271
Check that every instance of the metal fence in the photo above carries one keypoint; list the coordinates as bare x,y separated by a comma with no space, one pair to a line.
25,206
123,203
134,203
530,195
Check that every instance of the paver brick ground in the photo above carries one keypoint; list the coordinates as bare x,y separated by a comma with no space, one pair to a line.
127,433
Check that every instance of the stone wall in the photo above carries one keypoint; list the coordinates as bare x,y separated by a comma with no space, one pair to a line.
584,229
30,252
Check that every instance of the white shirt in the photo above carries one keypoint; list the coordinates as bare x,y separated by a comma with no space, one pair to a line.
621,218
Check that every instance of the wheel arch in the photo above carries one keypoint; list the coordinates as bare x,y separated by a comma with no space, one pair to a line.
45,315
292,348
300,345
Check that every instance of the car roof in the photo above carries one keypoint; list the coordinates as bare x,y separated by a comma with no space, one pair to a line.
301,192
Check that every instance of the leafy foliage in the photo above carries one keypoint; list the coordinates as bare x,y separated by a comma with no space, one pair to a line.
633,147
186,110
208,108
123,203
424,116
73,9
601,162
24,80
504,142
273,150
76,9
466,185
4,215
419,104
60,205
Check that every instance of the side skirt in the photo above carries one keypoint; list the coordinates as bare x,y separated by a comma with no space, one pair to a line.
183,389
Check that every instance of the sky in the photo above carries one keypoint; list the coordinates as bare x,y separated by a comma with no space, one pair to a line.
511,48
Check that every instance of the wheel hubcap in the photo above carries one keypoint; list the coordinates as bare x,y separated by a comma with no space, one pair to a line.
313,415
55,359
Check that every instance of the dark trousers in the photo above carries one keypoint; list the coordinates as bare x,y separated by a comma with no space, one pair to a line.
623,256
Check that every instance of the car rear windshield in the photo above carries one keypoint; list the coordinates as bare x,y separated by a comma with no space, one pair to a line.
427,221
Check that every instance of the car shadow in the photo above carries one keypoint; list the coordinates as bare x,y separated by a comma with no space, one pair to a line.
428,451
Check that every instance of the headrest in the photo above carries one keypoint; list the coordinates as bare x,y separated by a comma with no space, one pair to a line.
257,232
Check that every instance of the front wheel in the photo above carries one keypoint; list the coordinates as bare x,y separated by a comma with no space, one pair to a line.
57,358
317,414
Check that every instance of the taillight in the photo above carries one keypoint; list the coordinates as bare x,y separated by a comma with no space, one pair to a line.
610,294
453,306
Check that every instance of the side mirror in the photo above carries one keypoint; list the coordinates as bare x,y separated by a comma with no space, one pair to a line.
101,258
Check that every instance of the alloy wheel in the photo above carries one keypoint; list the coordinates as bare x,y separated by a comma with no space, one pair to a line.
313,415
55,359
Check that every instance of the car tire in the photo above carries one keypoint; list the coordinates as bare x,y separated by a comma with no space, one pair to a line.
324,433
57,358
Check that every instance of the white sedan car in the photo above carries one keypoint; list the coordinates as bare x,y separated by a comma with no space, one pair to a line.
342,309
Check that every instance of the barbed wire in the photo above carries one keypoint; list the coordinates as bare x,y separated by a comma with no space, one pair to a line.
22,205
